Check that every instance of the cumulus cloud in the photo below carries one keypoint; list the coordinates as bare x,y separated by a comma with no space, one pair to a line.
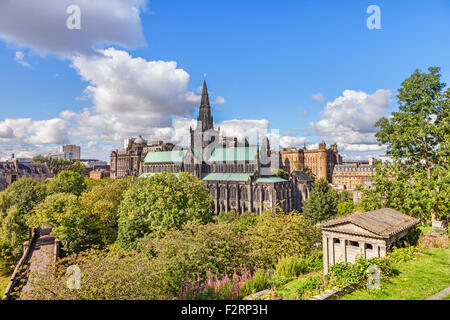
349,119
319,97
121,85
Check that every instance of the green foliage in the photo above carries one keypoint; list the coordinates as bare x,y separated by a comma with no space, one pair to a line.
282,174
57,165
310,287
355,274
402,254
417,182
16,204
241,222
294,266
79,167
277,235
163,202
345,208
322,203
260,282
198,249
67,182
64,213
13,232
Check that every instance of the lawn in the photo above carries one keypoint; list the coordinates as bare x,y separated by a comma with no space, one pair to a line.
417,279
4,279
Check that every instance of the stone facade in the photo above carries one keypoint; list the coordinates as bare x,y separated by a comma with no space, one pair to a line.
129,160
11,171
370,234
351,174
238,175
320,161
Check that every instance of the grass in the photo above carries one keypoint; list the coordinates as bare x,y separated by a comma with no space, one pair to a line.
4,279
446,298
418,279
289,289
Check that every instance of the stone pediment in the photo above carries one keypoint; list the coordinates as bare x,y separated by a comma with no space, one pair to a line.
350,228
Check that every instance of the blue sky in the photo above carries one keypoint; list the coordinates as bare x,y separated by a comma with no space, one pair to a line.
264,60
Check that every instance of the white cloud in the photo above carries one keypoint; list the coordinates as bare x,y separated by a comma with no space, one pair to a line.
319,97
292,141
219,100
19,58
41,25
349,119
131,88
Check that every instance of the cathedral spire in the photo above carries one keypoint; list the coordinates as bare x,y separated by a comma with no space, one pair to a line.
205,96
205,117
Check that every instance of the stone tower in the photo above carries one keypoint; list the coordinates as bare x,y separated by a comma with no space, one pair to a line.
205,122
323,161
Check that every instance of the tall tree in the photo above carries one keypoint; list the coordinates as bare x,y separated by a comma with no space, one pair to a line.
417,137
322,202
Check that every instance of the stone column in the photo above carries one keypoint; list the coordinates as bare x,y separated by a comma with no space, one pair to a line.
381,251
325,254
332,257
362,248
343,250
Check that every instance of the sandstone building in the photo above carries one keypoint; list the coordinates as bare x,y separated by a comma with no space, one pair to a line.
11,171
321,161
238,175
351,174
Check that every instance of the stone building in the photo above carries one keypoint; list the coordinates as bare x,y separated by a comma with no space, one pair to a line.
320,161
238,175
351,174
11,171
370,234
129,160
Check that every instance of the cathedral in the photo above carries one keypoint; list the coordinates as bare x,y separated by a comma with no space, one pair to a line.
238,175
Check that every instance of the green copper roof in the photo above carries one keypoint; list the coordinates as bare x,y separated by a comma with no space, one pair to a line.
271,179
165,156
226,176
234,154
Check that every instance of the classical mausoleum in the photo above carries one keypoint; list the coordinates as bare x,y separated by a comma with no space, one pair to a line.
370,234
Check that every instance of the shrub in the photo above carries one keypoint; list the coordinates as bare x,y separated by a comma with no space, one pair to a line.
215,288
430,241
310,287
402,254
344,274
294,266
260,281
276,235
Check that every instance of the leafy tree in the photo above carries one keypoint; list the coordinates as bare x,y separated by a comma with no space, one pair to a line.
163,202
322,202
13,233
100,208
63,212
67,182
79,167
417,137
54,164
276,235
16,204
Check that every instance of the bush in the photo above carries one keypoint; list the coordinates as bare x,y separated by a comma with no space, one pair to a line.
294,266
402,254
260,281
344,274
310,287
276,235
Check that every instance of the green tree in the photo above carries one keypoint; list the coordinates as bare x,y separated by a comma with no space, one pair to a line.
63,212
54,164
67,182
79,167
417,137
163,202
16,205
322,202
276,235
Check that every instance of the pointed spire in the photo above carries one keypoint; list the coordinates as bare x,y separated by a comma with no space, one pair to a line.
205,96
205,117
